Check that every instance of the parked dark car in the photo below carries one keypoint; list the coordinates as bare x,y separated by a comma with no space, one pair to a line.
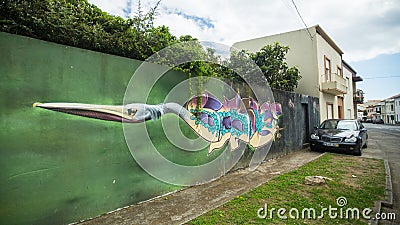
340,135
379,121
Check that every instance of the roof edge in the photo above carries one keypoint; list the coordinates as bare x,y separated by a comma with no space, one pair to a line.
353,72
349,67
324,35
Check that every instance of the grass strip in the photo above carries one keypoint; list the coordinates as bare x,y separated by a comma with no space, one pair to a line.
361,181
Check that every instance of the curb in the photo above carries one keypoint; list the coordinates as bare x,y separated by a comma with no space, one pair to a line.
389,195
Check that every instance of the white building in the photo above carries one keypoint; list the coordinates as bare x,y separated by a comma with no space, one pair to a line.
356,96
389,112
397,108
320,63
370,109
392,110
378,111
360,112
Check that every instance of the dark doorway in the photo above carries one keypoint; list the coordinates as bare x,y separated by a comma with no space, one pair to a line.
340,108
306,122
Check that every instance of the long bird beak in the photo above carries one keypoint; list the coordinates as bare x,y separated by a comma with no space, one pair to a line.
102,112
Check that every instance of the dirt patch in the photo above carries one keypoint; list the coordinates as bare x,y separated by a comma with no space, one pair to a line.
360,169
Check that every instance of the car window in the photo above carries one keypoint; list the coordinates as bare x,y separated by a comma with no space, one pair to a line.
329,124
346,125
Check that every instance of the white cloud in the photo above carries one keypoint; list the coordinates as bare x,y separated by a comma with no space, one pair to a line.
362,28
113,7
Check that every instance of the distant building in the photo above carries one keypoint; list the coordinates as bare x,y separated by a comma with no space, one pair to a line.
360,112
383,110
391,114
372,109
357,95
388,117
388,110
397,108
324,73
378,110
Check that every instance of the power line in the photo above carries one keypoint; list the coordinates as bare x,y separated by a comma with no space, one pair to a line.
379,77
297,10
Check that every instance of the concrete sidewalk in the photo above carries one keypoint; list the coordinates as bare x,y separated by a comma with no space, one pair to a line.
185,205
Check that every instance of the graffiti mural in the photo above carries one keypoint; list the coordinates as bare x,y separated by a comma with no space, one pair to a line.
58,169
215,121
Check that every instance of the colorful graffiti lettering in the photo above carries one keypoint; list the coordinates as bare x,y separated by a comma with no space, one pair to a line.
233,120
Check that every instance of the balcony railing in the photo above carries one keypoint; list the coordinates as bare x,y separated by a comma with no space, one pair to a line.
333,84
358,99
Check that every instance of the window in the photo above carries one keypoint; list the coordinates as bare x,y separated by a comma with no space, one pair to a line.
329,112
341,108
327,71
339,124
339,71
329,124
346,125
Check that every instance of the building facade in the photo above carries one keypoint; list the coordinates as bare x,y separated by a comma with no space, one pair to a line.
372,110
388,110
324,73
378,110
383,110
397,109
357,96
389,115
360,112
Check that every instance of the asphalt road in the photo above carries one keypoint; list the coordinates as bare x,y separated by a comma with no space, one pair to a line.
384,143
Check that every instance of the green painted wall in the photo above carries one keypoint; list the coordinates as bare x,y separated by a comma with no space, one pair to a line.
57,168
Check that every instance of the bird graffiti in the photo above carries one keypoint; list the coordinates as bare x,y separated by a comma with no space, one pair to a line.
217,122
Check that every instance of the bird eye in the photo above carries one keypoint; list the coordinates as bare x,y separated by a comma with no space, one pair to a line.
132,112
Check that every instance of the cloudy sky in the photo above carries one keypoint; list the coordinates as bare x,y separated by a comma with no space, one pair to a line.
367,31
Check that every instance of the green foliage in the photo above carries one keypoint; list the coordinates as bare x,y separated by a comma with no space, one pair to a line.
359,96
272,61
81,24
240,62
